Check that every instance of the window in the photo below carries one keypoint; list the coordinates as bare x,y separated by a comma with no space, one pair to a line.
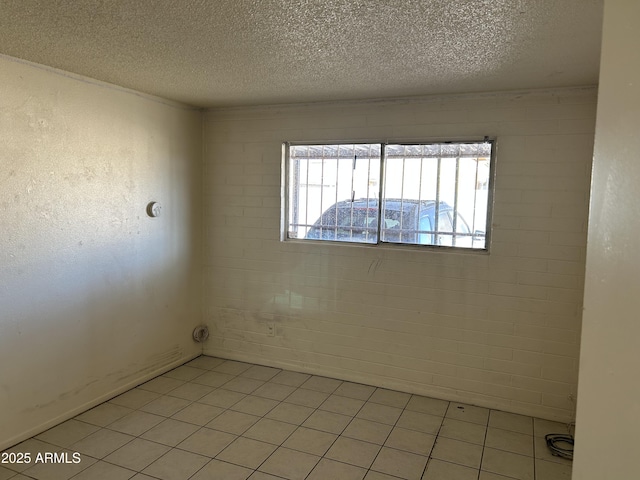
426,194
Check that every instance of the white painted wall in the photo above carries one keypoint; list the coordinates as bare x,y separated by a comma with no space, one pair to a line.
499,330
94,295
608,416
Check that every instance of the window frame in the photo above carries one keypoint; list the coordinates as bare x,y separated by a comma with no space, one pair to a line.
285,194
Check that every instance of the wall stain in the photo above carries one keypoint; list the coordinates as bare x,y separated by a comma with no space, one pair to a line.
373,266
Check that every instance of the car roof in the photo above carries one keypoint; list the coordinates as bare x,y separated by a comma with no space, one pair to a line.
395,204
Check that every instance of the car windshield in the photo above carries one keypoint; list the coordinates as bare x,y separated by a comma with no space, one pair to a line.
408,222
348,223
358,221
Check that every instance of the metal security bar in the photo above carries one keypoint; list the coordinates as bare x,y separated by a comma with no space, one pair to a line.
334,190
431,193
446,187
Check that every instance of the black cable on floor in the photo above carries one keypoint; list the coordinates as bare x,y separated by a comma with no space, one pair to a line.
555,443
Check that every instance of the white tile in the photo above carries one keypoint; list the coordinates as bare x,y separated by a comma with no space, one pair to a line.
311,441
342,405
258,372
368,431
104,414
439,470
233,422
274,391
355,390
399,464
327,421
390,398
456,454
371,475
170,432
67,433
468,413
198,413
137,454
105,471
222,398
509,441
511,421
428,405
460,453
31,446
191,391
330,469
491,476
243,385
290,413
254,405
222,470
263,476
176,465
135,398
411,441
5,473
101,443
552,471
205,362
292,379
465,431
136,423
289,464
307,398
423,422
59,471
379,413
232,367
247,452
213,379
165,405
207,442
270,431
322,384
353,452
507,464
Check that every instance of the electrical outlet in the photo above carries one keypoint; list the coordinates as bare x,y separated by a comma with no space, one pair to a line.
271,329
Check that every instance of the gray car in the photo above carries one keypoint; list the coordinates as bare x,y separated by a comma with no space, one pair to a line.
416,222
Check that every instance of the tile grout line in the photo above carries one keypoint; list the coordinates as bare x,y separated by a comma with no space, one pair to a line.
484,442
435,441
388,435
345,427
316,409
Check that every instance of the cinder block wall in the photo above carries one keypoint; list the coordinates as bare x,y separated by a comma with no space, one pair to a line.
498,330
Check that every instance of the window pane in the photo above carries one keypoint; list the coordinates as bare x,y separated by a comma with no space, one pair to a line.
333,192
444,186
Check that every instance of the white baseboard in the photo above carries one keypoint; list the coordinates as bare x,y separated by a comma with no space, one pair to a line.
7,443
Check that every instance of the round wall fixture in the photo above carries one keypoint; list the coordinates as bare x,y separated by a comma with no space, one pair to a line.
201,333
153,209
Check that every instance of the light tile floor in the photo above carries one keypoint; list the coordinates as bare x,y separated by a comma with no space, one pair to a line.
220,419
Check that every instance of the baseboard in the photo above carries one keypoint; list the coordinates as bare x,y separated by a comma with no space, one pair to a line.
403,386
95,402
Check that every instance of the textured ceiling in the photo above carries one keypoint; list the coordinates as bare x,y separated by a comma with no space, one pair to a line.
242,52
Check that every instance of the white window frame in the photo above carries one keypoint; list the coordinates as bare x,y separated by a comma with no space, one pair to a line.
285,193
